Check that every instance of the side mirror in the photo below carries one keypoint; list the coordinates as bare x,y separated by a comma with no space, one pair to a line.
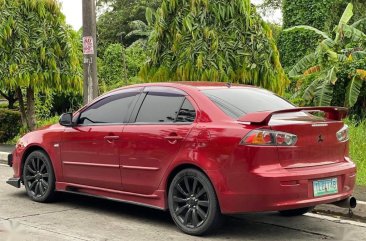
66,120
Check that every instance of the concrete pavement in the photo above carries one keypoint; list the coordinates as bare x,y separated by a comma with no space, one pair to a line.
5,150
359,213
75,217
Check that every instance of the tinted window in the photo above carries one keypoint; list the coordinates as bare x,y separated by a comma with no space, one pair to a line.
186,113
237,102
112,109
160,108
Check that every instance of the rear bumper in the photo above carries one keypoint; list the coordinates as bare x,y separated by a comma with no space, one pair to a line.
15,182
281,189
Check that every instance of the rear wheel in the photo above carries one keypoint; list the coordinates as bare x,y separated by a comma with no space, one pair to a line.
193,204
296,212
38,177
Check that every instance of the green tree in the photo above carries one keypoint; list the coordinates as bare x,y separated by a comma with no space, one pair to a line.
323,15
320,71
213,40
38,52
113,67
114,24
120,66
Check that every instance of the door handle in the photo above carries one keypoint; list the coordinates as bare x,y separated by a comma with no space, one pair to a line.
173,139
111,139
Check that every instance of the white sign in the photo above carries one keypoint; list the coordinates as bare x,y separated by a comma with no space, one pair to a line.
88,45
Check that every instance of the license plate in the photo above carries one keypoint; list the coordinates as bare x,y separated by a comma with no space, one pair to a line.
325,187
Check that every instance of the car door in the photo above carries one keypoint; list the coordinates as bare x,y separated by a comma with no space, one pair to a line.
154,137
90,150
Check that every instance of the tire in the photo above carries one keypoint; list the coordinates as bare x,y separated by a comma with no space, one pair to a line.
296,212
193,203
39,177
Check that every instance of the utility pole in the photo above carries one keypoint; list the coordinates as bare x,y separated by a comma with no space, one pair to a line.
90,51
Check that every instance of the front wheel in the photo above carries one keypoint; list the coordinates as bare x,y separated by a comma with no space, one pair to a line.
296,212
193,204
38,177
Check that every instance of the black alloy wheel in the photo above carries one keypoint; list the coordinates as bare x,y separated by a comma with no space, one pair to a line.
192,203
38,177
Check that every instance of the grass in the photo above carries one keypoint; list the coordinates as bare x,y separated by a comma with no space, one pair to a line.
358,149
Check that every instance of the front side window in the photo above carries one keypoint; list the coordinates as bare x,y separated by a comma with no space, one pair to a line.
110,110
160,108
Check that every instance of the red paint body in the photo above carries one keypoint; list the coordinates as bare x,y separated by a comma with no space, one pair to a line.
136,164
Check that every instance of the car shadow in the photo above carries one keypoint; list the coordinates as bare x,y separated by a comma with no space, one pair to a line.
263,226
251,226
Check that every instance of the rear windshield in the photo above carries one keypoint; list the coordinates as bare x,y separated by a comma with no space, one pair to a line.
237,102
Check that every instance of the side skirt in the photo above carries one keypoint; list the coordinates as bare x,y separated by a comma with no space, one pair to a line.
156,200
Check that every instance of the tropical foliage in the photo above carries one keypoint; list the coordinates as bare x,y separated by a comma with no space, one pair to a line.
213,40
117,21
120,66
38,52
322,67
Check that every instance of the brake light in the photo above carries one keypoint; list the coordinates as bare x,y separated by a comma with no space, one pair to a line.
343,134
269,138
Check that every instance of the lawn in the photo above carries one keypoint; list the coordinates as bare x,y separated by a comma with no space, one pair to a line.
358,149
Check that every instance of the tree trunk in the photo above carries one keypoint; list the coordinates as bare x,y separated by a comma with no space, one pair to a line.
31,107
11,98
22,107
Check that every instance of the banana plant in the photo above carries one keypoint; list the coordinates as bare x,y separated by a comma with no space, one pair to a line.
322,66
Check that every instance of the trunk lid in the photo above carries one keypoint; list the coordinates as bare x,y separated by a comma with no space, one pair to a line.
317,142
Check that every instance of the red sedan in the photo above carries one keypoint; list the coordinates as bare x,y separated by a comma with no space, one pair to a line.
200,150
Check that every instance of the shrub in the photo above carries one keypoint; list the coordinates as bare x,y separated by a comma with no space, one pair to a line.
10,124
358,148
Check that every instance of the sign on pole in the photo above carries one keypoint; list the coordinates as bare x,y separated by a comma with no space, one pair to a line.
88,45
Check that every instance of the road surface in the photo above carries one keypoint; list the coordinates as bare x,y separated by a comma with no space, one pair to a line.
75,217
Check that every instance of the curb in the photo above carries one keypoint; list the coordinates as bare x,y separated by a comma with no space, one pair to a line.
4,157
358,213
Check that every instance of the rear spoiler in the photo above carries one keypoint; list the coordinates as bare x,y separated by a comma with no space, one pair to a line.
263,118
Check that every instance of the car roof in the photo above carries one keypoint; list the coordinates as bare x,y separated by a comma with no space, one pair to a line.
198,85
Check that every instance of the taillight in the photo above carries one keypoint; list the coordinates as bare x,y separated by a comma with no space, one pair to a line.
343,134
269,138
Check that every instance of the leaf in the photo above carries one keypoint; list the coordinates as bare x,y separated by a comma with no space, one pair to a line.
149,16
309,92
353,91
353,34
323,94
312,70
347,15
361,74
308,28
304,64
359,55
332,76
359,22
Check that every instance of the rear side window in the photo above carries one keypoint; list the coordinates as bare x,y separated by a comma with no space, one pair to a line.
187,113
236,102
160,108
110,110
